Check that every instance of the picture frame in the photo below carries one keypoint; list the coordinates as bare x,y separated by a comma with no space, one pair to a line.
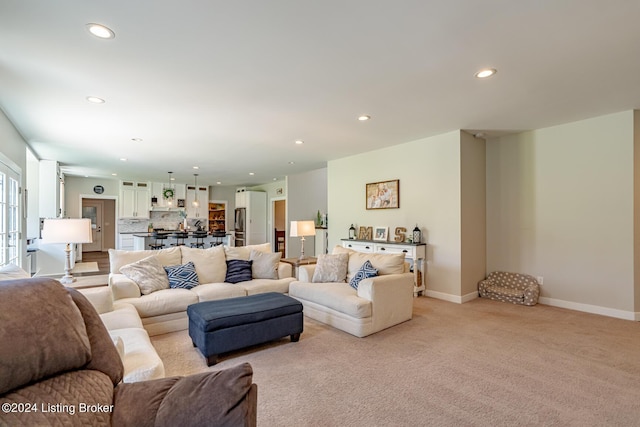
383,194
380,233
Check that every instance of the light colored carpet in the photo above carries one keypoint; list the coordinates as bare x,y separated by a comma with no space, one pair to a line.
85,267
483,363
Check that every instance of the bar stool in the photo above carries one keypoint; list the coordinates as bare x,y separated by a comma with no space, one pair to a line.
158,241
199,236
218,238
179,236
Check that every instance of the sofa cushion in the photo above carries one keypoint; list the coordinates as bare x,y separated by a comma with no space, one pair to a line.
337,296
384,263
101,298
118,258
123,316
265,264
210,263
331,268
148,274
244,252
238,271
141,361
35,354
182,276
261,286
163,302
364,272
214,291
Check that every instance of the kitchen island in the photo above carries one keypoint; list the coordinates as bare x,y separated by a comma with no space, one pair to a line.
142,241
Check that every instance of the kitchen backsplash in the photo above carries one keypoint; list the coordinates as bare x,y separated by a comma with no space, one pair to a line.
169,220
133,225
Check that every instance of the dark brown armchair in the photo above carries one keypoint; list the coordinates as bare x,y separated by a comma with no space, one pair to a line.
59,366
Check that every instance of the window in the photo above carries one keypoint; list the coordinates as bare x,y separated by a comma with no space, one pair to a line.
9,216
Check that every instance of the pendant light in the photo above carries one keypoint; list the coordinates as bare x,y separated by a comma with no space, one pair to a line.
195,202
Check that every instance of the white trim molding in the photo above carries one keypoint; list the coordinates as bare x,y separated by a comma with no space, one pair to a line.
588,308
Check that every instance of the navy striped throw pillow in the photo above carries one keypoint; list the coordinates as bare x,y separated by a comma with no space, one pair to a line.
238,270
364,272
182,276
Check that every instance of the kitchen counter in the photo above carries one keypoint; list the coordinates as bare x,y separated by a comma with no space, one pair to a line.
142,241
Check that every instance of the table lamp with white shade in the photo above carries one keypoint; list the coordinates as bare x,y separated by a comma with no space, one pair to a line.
302,229
69,231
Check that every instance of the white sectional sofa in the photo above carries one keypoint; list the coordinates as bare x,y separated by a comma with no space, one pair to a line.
139,357
378,302
165,310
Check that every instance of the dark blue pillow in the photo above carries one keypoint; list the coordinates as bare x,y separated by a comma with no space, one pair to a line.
238,270
182,276
364,272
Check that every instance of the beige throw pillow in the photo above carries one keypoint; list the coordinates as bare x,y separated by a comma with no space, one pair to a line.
265,265
148,274
330,268
244,252
211,265
384,263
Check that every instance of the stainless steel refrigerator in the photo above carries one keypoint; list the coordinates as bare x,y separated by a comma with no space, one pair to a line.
240,226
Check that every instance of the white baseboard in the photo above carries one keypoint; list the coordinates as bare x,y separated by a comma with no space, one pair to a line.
587,308
452,298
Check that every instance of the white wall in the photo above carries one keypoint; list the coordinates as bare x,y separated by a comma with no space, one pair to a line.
430,195
560,204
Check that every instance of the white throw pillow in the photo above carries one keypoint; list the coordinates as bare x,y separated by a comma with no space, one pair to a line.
119,258
148,273
211,265
244,252
330,268
384,263
265,265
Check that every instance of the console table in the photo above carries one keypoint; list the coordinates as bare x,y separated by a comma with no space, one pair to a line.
415,254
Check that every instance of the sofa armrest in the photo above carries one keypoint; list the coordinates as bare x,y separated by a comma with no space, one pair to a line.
123,287
391,297
225,397
285,270
305,273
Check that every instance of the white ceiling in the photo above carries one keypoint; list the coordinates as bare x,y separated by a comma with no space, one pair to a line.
230,85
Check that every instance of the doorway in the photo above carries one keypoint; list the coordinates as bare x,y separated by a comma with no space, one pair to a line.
279,215
102,213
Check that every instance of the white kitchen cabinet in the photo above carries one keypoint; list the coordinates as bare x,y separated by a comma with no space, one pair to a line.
241,197
414,253
135,199
125,241
202,210
157,190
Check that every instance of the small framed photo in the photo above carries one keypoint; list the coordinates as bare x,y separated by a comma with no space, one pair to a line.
383,195
380,233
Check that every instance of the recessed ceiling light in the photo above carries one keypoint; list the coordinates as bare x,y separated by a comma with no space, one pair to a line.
486,72
114,174
275,179
123,159
218,182
364,118
251,173
101,31
136,139
95,100
196,167
291,163
299,142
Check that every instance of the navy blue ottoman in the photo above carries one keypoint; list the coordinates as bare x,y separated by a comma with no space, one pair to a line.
225,325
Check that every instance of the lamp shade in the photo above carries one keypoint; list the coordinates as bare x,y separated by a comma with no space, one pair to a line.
302,228
67,230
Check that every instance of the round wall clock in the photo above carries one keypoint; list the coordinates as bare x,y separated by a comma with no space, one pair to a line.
98,189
